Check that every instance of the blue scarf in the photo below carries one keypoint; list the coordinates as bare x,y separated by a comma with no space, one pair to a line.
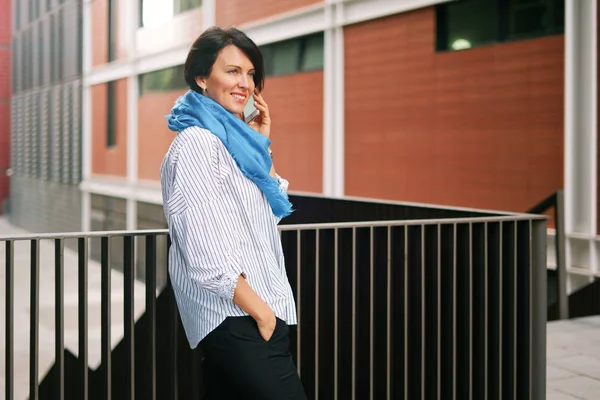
248,148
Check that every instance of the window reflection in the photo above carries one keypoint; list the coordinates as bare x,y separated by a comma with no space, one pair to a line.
156,12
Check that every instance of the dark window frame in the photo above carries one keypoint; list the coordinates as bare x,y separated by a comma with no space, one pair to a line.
112,27
504,19
111,114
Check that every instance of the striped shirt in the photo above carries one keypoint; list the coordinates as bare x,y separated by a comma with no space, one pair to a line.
221,226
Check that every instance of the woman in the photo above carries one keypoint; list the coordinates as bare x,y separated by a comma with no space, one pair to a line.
223,199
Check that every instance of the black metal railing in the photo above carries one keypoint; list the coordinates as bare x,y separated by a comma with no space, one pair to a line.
104,379
556,203
445,308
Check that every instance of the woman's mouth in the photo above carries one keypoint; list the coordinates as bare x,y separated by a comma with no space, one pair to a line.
240,98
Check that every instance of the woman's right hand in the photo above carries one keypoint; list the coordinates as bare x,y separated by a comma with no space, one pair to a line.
266,325
247,299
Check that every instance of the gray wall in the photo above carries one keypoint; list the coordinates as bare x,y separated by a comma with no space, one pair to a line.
46,115
44,206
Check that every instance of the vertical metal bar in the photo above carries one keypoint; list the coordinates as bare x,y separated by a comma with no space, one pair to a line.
9,336
298,301
561,257
405,312
106,346
128,312
531,310
514,305
388,322
470,311
151,310
317,314
439,309
82,253
174,318
371,309
454,305
34,327
539,314
353,313
59,324
335,314
485,311
423,336
500,300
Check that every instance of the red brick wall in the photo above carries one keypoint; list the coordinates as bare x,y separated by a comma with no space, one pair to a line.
237,12
109,161
5,92
479,128
154,138
297,131
100,31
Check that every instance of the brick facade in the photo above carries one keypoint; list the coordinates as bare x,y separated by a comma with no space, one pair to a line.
154,138
477,128
297,131
106,160
238,12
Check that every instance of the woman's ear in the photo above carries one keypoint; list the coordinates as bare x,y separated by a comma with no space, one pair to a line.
200,81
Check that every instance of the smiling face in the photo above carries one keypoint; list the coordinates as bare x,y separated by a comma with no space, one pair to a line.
231,80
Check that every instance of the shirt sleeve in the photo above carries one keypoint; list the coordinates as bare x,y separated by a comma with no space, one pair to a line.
206,231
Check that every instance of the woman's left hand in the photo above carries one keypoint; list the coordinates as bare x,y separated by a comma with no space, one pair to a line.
262,123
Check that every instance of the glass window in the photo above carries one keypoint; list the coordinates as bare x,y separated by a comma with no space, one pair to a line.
535,18
286,57
467,24
463,24
156,12
112,29
293,56
163,80
312,56
185,5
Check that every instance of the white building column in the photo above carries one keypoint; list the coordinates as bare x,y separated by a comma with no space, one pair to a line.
86,115
580,146
333,100
132,115
208,13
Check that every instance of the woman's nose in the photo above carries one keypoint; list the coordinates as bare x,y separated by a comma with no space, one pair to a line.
244,82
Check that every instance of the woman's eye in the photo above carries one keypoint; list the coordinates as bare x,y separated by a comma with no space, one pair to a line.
252,74
233,71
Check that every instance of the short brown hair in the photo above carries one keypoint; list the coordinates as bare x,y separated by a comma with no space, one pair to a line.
207,47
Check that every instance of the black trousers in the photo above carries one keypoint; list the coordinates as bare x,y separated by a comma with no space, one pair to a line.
240,364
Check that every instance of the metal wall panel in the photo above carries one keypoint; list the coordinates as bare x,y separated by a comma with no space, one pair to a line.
65,134
27,135
75,134
45,134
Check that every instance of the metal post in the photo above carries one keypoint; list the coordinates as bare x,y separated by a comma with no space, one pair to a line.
561,259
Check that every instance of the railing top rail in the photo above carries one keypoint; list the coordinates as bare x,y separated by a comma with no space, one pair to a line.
375,200
77,235
334,225
438,221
